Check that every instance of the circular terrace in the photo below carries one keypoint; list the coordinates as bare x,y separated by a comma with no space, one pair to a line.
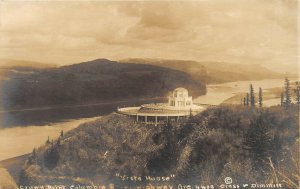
180,106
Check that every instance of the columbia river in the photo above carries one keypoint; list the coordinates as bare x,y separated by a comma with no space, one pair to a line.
21,131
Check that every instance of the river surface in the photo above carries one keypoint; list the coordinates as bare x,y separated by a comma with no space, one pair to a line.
216,94
21,131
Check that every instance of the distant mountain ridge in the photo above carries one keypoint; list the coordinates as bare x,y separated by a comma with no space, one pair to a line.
10,63
13,67
38,84
212,72
97,80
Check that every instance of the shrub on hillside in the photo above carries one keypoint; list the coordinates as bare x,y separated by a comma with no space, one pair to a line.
247,144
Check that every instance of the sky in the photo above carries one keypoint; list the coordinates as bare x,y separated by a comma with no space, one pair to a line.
236,31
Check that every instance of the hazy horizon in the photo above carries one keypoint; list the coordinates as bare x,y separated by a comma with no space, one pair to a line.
233,31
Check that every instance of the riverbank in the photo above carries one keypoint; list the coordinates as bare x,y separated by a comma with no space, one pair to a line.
271,97
41,116
22,109
232,92
7,181
21,140
10,170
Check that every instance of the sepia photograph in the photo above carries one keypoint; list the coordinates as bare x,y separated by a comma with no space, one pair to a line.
195,94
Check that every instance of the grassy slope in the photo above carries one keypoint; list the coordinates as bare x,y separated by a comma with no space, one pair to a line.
216,143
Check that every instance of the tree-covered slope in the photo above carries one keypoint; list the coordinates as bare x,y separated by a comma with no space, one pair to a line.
93,81
248,145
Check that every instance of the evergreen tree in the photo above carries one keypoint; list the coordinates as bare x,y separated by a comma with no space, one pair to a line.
259,143
247,99
51,158
32,158
34,153
252,97
260,97
297,92
170,150
58,142
282,99
277,148
287,88
48,140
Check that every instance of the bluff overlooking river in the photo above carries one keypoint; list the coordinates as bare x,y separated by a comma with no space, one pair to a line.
233,141
40,78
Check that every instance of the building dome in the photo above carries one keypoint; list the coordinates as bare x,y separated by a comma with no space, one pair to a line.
180,89
180,99
180,92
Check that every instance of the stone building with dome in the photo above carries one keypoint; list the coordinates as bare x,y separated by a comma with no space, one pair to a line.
180,105
180,99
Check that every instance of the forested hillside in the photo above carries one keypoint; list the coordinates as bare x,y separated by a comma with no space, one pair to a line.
94,81
250,145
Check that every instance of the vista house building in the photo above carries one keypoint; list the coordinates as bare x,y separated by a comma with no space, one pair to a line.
180,105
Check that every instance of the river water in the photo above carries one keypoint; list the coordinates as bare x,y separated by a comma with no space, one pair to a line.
216,94
21,131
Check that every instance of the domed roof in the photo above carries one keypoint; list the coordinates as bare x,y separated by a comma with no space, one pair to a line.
180,89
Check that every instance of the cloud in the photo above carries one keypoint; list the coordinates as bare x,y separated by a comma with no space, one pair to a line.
238,31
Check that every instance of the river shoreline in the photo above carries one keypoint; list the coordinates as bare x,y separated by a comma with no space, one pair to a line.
18,140
10,110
